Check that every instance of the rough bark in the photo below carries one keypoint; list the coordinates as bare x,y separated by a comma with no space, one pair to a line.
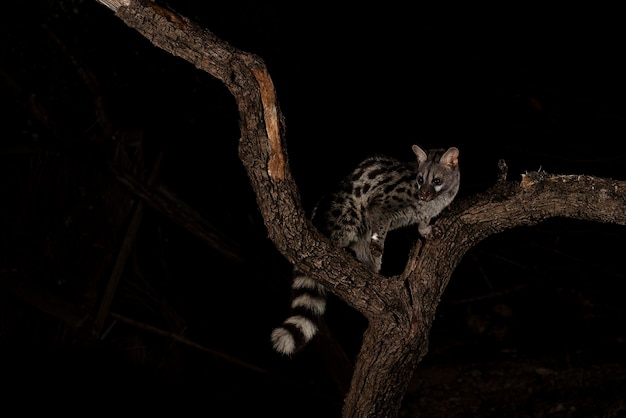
400,310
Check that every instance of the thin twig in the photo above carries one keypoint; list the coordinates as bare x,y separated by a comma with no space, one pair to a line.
184,340
120,262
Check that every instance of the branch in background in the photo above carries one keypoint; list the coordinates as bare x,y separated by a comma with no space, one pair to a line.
30,292
165,202
184,340
124,252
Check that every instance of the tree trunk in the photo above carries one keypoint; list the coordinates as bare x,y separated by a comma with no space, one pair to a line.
383,370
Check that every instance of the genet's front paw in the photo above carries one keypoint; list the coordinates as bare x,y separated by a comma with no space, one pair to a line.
430,231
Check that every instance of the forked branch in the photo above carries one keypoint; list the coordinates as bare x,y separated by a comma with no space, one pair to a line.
400,310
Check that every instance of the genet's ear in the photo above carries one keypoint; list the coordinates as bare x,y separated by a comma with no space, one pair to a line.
450,158
419,153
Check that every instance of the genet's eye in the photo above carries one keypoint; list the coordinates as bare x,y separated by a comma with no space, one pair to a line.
437,182
420,180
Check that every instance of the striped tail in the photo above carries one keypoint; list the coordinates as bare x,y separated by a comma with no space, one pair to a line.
308,304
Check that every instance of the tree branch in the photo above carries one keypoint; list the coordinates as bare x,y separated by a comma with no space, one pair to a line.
261,147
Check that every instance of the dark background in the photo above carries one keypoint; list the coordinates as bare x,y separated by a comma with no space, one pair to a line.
533,321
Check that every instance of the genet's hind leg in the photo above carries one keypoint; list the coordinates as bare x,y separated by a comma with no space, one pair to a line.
377,238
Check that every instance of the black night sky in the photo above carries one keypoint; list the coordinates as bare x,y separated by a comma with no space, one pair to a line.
533,321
